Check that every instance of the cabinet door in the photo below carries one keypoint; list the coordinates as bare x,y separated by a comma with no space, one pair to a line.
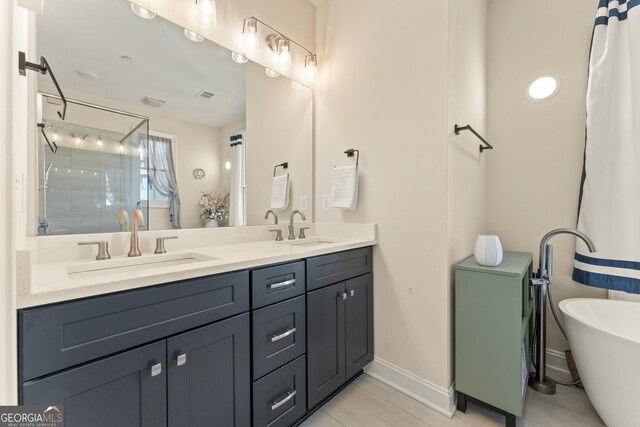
359,323
325,342
208,375
125,390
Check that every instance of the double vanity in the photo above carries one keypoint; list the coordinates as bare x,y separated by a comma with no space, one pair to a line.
258,333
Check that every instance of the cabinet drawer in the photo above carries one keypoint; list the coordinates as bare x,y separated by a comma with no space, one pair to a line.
279,399
273,284
279,335
57,337
332,268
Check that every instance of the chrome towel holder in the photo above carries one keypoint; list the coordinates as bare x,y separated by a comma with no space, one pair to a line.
284,165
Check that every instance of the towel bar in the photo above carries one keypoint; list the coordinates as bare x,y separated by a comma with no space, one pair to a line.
350,153
284,165
487,146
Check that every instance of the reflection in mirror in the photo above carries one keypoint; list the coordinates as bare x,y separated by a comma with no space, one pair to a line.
163,121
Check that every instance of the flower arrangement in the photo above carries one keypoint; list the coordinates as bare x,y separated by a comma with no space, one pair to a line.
214,206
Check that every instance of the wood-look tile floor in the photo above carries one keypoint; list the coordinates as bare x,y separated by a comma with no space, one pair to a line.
368,402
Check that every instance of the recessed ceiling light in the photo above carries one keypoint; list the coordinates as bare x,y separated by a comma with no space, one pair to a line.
194,37
271,73
542,88
87,75
240,59
142,12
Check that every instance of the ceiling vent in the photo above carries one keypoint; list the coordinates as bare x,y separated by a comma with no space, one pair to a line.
152,102
204,94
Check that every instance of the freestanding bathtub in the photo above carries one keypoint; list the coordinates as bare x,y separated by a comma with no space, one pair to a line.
604,336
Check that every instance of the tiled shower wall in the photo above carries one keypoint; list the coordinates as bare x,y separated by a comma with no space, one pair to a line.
86,189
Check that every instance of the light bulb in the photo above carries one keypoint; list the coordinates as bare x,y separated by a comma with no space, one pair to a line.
311,66
227,165
284,54
194,37
56,169
81,171
77,140
100,142
251,43
95,173
240,59
271,73
206,16
142,12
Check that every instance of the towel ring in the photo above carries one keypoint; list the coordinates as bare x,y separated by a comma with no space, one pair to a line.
350,152
284,165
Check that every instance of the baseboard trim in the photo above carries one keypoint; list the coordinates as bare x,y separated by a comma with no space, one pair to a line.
557,364
436,397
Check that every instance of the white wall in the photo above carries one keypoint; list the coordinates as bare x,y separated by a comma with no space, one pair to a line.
383,90
533,175
467,105
279,129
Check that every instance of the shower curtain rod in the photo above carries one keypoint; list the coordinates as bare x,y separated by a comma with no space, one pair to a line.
95,106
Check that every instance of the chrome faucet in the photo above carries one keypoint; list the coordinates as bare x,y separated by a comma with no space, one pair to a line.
541,281
292,234
275,216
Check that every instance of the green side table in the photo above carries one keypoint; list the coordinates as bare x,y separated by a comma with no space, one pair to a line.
493,333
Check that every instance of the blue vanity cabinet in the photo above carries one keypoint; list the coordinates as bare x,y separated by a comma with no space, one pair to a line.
125,390
208,376
339,321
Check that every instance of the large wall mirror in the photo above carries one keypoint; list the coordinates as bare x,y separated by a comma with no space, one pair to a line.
151,111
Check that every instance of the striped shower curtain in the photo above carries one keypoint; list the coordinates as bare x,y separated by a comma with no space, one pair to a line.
610,194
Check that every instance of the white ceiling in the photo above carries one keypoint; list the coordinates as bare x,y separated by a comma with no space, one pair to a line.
93,35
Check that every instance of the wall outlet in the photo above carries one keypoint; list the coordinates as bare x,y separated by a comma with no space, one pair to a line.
326,206
304,203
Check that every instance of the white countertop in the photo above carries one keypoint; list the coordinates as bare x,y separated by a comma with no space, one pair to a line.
50,282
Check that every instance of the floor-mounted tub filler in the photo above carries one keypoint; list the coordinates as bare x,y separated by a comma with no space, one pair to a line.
605,339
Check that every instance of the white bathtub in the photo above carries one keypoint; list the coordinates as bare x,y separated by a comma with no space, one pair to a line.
604,336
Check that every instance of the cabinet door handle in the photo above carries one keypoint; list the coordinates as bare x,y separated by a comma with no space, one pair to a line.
282,284
276,405
352,292
344,295
283,335
156,370
181,360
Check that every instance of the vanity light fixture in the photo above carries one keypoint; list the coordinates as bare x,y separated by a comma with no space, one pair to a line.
542,88
251,43
142,12
193,36
240,59
279,44
271,73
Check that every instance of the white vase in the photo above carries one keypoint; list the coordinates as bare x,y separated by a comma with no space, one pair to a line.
211,223
488,250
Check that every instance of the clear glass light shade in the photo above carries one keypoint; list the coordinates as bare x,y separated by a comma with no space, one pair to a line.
251,42
240,59
142,12
206,14
194,37
311,66
284,55
271,73
542,88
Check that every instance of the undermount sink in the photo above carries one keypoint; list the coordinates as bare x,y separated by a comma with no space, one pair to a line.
312,241
125,265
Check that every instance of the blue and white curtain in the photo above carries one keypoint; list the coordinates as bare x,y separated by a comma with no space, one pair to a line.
610,194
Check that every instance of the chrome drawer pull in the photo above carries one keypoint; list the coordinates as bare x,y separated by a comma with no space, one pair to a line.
282,284
276,405
181,360
156,370
283,335
352,292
